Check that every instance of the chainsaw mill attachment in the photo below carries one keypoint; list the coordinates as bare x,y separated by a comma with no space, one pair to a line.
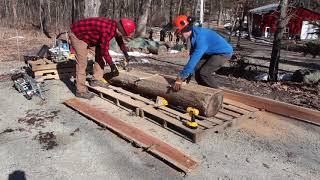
26,85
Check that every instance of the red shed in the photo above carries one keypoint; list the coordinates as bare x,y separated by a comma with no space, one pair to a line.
264,21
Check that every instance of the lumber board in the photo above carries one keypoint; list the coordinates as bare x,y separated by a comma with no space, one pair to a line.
281,108
56,77
167,152
54,71
58,71
41,65
37,62
207,100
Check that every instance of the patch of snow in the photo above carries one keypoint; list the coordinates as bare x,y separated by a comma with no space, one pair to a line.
113,53
265,9
17,37
145,61
137,54
134,53
262,77
173,51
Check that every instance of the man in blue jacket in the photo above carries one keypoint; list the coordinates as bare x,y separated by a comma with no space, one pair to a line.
209,51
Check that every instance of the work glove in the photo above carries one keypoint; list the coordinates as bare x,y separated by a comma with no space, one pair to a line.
114,70
128,59
178,84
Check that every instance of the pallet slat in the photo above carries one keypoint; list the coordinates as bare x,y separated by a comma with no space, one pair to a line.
239,105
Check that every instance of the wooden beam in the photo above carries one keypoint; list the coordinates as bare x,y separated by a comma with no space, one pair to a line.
285,109
207,100
149,143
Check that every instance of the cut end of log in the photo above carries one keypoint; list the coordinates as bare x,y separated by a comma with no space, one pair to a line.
213,105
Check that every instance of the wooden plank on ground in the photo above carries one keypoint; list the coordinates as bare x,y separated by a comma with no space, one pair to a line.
150,143
289,110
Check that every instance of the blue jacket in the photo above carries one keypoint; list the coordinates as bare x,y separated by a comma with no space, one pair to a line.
204,42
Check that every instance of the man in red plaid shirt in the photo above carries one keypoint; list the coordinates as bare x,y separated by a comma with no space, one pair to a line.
94,35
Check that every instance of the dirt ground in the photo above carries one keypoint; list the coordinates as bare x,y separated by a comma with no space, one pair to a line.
47,140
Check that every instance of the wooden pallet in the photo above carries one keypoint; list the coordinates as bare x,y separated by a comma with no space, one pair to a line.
44,69
174,120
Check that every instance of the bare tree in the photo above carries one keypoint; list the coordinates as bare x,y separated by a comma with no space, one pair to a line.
92,8
220,12
143,19
275,55
14,4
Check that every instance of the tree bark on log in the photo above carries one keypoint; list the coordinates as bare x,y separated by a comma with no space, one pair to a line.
207,100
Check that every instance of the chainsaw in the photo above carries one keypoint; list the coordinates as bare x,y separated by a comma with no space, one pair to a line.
26,85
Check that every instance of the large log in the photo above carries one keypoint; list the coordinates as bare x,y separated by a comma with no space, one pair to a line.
207,100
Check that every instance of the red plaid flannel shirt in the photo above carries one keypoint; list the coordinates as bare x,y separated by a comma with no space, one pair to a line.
98,31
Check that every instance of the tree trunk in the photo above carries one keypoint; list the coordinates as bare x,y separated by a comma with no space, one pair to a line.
179,7
92,8
220,12
113,8
207,100
234,22
143,19
49,11
241,26
275,55
171,11
14,10
250,24
40,15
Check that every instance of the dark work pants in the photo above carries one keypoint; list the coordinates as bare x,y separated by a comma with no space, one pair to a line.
207,66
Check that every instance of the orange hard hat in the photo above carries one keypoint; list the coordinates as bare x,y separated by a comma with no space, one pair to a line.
128,26
181,22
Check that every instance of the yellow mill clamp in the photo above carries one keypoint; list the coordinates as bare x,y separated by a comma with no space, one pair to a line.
160,101
104,81
192,112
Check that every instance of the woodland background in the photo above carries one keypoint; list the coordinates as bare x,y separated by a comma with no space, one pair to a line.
57,15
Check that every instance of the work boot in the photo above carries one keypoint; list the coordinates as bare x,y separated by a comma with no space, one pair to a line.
85,95
101,83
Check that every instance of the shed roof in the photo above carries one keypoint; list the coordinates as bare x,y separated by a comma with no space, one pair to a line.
265,9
